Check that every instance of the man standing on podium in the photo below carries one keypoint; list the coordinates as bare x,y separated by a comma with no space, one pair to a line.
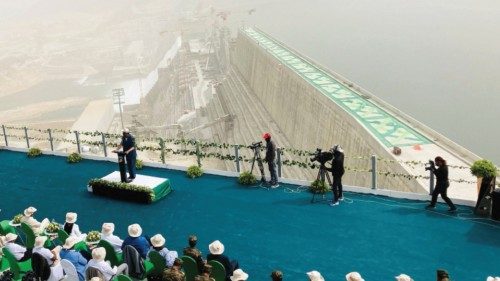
128,145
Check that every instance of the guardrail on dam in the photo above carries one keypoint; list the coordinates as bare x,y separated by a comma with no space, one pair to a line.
316,108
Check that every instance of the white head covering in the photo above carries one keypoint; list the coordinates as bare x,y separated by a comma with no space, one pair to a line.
126,130
40,241
29,211
108,228
9,237
315,276
238,275
70,242
216,248
71,217
95,279
354,276
490,278
99,253
157,240
134,230
403,277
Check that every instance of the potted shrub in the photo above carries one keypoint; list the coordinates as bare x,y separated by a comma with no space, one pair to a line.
74,158
194,171
139,164
319,187
34,152
247,178
485,171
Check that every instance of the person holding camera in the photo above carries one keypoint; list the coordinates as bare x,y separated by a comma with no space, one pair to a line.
270,158
442,183
337,170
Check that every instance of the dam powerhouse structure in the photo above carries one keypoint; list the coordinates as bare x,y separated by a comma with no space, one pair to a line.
314,107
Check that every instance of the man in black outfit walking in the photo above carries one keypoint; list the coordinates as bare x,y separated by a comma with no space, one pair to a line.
442,183
270,158
337,170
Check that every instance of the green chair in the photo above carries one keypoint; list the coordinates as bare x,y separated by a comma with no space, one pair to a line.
29,234
159,263
114,258
218,270
4,264
62,236
122,277
5,228
17,268
190,267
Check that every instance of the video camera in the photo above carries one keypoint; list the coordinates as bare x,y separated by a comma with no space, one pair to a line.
322,156
255,145
429,166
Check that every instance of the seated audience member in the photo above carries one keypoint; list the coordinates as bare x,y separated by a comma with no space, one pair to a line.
216,249
277,275
72,228
28,218
174,273
205,275
97,262
490,278
107,235
158,245
442,275
19,252
403,277
140,243
315,276
50,255
354,276
193,252
239,275
68,253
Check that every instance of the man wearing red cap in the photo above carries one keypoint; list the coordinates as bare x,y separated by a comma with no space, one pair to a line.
270,158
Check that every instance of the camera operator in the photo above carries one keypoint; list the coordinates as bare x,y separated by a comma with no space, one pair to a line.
337,170
270,158
442,183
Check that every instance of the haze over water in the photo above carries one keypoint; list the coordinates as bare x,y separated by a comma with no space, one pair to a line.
437,61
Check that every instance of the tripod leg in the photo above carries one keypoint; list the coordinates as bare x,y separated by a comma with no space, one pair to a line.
261,168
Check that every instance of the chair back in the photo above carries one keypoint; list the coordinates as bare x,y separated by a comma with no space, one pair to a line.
92,272
190,267
134,262
14,266
69,270
5,228
122,277
62,236
30,235
111,255
40,266
158,262
218,270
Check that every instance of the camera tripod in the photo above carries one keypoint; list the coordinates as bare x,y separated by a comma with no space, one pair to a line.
256,157
322,174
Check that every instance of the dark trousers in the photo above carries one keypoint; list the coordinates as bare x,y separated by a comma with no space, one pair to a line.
131,163
337,188
441,189
27,255
272,171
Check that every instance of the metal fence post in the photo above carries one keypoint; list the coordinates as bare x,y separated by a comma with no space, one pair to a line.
279,162
104,148
77,135
374,171
26,136
237,157
162,151
198,157
5,136
50,139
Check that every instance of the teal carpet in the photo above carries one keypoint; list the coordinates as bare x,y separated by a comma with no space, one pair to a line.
266,229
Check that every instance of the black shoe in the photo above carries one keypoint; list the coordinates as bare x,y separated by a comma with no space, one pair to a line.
430,207
452,210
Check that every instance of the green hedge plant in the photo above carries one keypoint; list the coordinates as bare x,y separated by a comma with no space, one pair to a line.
74,158
194,171
34,152
319,187
247,178
484,169
139,164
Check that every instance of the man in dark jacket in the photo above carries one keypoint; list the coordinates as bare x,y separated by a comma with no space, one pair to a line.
216,249
271,159
128,145
337,170
193,252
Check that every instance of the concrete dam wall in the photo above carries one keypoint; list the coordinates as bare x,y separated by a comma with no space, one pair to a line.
314,109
